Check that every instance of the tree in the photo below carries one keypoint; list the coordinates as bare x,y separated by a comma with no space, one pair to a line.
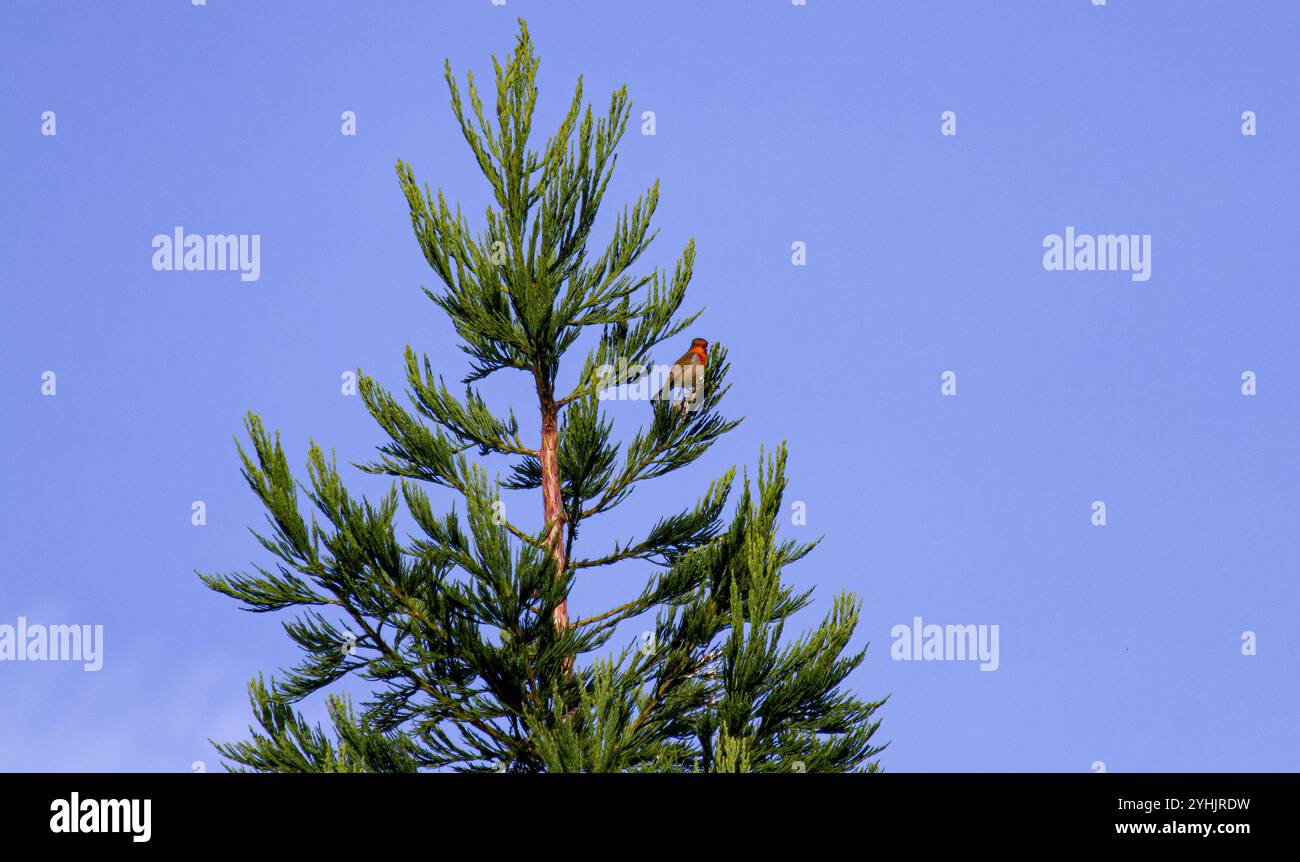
463,630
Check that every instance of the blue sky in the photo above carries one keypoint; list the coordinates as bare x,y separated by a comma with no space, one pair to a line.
774,124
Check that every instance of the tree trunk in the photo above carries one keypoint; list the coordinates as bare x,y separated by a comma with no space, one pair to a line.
552,500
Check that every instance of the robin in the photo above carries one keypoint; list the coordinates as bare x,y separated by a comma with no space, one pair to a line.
688,372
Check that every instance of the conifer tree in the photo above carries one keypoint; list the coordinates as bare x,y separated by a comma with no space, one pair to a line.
459,622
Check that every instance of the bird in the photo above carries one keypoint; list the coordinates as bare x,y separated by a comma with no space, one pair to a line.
688,371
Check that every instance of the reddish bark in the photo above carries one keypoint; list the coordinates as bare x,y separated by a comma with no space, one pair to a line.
552,501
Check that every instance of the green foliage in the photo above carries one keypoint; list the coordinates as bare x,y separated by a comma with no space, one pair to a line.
454,628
